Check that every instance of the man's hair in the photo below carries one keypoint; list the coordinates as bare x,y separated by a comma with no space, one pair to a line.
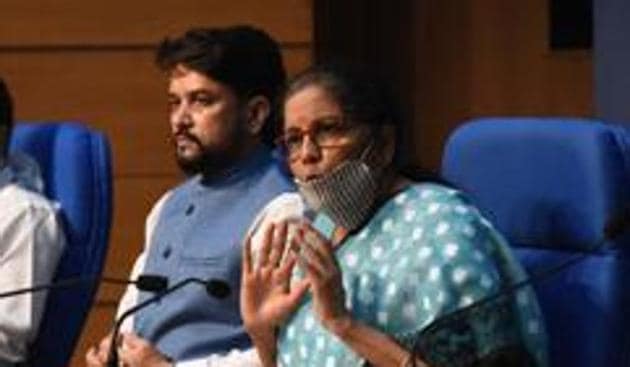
244,58
6,114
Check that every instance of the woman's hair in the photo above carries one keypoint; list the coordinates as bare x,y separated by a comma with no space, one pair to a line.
363,97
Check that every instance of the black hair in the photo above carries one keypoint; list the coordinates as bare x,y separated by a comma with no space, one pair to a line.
244,58
365,98
6,114
362,97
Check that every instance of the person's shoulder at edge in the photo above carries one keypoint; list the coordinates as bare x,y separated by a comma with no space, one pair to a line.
182,186
428,189
26,186
277,173
445,205
24,199
429,192
287,205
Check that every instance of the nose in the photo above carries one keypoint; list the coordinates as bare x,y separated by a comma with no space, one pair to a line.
309,150
180,117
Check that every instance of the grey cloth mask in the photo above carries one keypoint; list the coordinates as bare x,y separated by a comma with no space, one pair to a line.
347,194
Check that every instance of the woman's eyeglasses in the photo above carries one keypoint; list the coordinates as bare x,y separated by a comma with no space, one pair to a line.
328,133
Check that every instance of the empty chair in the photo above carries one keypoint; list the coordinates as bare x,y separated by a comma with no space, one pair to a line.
552,187
76,167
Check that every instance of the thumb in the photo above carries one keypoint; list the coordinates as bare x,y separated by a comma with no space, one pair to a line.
298,290
130,340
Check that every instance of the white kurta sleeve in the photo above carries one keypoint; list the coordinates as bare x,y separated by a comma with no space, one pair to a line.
31,243
130,297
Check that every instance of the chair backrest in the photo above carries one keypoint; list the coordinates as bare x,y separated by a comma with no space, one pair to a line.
552,186
76,167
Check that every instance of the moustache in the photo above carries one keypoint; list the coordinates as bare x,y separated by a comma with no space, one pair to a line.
172,138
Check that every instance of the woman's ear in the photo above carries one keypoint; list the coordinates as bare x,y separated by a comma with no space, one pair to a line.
258,109
388,141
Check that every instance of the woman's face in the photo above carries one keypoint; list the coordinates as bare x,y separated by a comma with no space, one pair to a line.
316,136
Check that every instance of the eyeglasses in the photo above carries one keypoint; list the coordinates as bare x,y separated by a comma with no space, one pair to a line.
328,133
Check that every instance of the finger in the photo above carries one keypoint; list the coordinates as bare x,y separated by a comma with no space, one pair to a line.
126,338
287,266
105,342
247,255
316,235
318,243
127,345
118,341
307,260
124,358
123,346
279,241
318,264
285,271
99,356
91,357
266,245
132,340
102,350
315,255
298,290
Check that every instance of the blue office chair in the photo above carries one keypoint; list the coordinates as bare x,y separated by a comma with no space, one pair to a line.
552,186
76,167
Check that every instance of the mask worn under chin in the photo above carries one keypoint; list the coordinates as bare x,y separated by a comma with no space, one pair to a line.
347,194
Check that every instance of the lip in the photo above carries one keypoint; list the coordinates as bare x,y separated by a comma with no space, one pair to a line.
310,177
184,138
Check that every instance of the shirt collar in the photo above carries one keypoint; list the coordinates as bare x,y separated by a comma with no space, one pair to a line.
22,170
255,161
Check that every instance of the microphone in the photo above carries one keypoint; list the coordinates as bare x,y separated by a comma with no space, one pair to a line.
146,282
214,288
617,225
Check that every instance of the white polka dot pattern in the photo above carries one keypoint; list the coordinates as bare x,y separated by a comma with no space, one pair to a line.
425,252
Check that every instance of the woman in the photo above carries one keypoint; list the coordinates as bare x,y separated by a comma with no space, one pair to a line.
384,258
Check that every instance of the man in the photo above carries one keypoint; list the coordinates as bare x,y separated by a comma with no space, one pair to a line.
31,242
222,90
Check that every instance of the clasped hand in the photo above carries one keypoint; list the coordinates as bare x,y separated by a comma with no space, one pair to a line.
133,352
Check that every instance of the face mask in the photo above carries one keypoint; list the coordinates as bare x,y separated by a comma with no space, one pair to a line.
347,194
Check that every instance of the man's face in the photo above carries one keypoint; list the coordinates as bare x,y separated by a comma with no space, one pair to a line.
206,121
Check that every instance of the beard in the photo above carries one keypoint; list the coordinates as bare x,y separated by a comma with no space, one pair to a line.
207,160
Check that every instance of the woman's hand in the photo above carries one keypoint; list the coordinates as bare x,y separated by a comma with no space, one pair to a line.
267,297
317,258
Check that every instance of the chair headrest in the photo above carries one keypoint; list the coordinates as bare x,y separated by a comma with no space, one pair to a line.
543,182
74,161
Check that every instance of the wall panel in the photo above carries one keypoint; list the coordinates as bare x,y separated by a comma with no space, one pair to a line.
93,62
122,22
120,92
490,58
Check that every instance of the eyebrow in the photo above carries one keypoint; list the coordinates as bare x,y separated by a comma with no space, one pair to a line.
329,117
195,92
318,122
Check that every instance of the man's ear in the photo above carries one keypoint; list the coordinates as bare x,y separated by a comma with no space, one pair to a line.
258,109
